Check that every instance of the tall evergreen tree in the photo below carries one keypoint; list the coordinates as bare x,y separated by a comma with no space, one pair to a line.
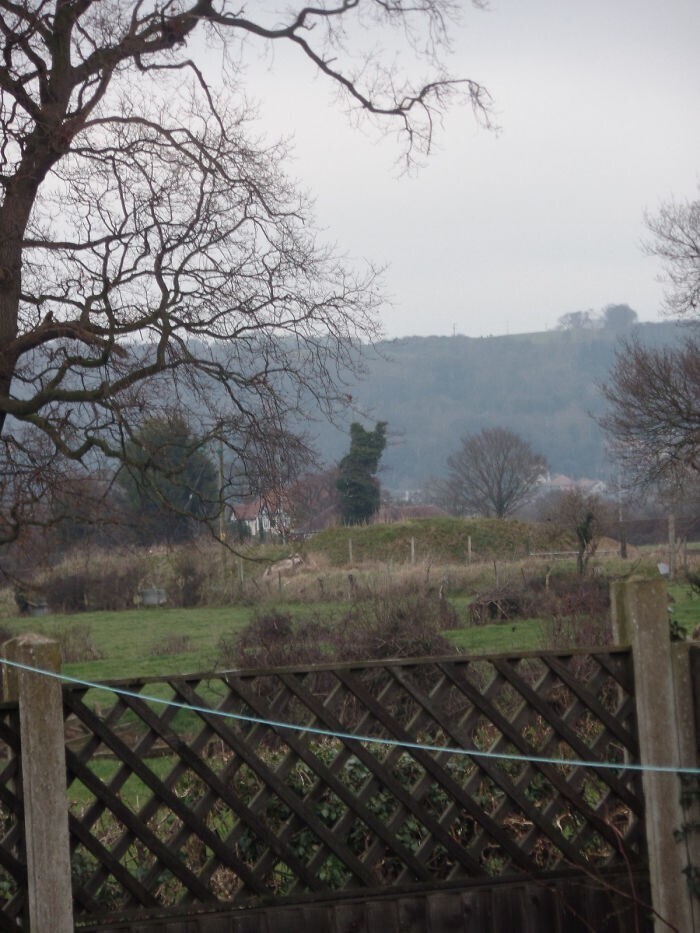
168,480
357,483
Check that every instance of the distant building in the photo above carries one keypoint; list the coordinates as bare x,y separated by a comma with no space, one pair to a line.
262,515
558,482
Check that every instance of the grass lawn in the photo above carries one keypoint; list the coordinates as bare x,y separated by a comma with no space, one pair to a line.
133,643
162,641
685,608
145,642
523,635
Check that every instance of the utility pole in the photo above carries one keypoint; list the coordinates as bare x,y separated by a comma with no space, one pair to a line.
222,515
672,546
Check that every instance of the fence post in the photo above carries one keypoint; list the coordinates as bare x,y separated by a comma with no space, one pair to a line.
43,769
666,737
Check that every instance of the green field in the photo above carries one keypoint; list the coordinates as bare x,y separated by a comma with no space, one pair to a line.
524,635
132,643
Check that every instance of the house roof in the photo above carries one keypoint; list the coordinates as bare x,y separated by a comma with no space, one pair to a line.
247,511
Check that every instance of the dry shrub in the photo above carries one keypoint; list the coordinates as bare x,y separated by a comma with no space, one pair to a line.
382,627
575,609
576,613
77,643
374,630
190,574
577,631
68,593
497,605
93,590
276,639
171,645
395,627
314,582
113,580
562,597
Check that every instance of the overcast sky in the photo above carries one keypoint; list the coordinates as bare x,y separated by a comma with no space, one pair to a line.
598,104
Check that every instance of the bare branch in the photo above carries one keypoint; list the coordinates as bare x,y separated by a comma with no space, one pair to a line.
676,241
653,421
152,255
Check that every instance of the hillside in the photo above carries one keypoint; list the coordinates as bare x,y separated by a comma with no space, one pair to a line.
434,390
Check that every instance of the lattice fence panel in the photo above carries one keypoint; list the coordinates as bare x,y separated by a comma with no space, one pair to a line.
13,866
171,807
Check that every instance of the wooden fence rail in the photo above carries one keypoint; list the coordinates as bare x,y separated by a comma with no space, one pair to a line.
565,903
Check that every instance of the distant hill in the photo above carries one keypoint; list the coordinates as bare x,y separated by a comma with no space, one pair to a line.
434,390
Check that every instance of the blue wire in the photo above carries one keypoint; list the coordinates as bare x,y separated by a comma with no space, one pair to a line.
367,739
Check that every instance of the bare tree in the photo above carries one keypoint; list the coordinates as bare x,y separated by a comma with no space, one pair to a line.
576,320
152,256
493,473
584,514
314,501
675,229
653,419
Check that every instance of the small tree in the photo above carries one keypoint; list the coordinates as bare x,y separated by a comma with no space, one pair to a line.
314,501
582,513
576,320
168,480
493,473
357,483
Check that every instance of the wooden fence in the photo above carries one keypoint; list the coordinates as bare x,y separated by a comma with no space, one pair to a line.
567,903
405,783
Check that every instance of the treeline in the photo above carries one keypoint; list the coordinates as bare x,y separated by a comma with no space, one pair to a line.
434,390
